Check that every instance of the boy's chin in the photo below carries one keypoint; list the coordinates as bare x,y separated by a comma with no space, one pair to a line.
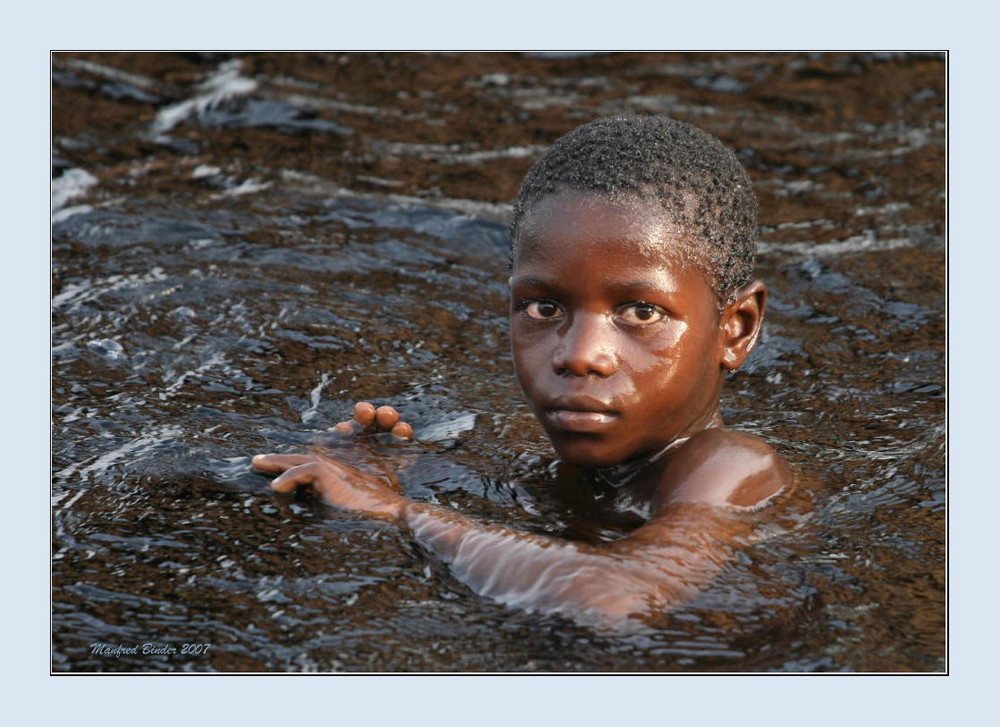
588,453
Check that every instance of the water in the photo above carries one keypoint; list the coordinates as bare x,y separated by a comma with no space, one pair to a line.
245,245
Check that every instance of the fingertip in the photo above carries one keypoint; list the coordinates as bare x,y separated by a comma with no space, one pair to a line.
403,430
386,417
282,486
364,413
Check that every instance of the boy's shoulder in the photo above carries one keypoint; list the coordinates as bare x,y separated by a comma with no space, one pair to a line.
724,467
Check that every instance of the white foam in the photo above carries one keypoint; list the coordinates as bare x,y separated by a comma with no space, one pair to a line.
225,84
858,243
204,170
111,74
65,214
247,186
72,184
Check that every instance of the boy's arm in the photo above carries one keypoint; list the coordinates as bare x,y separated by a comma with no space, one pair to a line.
704,490
663,563
657,567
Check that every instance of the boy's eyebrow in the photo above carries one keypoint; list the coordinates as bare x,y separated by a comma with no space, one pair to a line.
529,281
625,287
640,285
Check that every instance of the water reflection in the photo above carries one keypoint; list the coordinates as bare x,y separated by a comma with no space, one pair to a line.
245,245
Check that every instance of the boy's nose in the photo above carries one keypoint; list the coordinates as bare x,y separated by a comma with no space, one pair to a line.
585,348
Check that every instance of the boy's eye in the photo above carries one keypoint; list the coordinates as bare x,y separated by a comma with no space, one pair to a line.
542,309
641,314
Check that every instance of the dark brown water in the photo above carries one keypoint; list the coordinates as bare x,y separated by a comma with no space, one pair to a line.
244,245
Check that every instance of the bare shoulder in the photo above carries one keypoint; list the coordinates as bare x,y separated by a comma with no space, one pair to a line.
723,467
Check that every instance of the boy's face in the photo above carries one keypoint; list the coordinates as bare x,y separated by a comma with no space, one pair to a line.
616,334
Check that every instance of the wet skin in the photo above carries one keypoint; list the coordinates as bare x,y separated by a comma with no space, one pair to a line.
620,346
616,337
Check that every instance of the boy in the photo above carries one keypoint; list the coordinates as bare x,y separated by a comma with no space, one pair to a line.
632,249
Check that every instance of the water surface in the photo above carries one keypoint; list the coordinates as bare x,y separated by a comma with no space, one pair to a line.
244,245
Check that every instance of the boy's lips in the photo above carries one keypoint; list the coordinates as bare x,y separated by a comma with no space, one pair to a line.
579,414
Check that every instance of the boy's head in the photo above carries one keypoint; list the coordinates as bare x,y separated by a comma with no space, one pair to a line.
632,253
695,181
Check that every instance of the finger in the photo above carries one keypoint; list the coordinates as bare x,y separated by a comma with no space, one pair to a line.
403,430
348,429
386,417
292,479
280,462
364,413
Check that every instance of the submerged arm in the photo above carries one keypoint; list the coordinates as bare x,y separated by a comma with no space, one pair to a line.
658,566
662,564
702,493
695,528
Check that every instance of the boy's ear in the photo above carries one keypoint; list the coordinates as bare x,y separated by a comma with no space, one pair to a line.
741,323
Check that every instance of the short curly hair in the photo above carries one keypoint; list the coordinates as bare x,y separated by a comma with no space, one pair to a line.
691,175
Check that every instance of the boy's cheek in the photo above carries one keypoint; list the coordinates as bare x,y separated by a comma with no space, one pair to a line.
523,372
528,350
527,374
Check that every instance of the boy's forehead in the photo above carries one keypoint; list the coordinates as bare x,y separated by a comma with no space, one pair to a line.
576,207
562,223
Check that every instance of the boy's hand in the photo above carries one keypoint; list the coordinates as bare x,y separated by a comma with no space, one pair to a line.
337,483
369,419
